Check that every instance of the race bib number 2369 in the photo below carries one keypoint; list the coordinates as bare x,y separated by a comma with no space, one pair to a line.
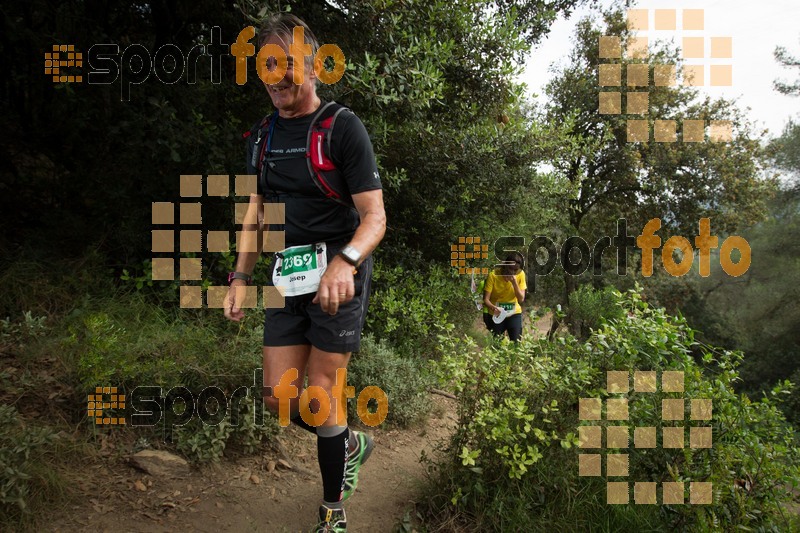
299,269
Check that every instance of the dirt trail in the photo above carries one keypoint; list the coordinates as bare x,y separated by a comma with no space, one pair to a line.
242,495
246,494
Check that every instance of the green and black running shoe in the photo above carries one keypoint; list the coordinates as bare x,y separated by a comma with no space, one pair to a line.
331,520
355,460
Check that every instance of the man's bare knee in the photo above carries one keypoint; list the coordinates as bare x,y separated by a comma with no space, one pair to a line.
272,403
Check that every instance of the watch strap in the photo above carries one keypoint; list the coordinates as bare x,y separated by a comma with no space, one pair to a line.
351,255
247,278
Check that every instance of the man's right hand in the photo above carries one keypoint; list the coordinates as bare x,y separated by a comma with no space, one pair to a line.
234,299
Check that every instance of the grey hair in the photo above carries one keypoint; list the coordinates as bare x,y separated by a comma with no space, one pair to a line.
282,25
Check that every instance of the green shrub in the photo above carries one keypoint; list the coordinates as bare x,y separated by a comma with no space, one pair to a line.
129,342
203,442
47,287
15,335
403,379
409,308
250,433
791,405
139,278
513,458
589,308
22,449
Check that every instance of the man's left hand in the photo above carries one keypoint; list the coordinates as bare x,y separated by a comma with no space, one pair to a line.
336,286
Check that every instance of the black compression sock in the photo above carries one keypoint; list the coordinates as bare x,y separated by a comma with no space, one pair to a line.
298,421
332,455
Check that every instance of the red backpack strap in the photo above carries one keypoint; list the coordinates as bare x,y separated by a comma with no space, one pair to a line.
322,169
321,142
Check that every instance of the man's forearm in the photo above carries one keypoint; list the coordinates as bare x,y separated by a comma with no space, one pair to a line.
246,262
250,244
250,247
369,233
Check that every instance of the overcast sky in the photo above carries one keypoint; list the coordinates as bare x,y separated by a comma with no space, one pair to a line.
755,28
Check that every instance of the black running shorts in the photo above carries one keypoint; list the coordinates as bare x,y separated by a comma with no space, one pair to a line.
302,322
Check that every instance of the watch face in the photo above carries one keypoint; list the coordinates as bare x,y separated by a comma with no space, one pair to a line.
351,254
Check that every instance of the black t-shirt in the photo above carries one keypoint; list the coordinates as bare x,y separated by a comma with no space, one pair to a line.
310,217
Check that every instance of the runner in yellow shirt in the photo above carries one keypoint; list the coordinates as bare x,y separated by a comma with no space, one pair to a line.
503,293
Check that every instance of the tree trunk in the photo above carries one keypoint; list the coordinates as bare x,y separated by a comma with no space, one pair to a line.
570,286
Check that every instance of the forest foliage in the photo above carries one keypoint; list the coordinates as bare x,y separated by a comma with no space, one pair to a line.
462,151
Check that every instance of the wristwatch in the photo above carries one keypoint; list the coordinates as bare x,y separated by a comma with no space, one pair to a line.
351,255
239,275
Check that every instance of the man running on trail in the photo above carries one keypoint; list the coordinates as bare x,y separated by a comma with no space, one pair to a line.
326,265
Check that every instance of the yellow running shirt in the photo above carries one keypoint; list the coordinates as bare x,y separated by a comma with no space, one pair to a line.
501,291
